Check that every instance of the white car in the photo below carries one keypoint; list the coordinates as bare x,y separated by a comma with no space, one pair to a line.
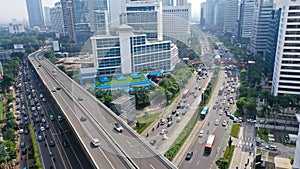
217,122
42,128
21,131
118,127
224,123
163,131
220,112
43,120
201,133
96,142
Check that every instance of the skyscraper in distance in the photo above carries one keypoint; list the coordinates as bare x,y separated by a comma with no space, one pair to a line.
231,16
35,13
247,18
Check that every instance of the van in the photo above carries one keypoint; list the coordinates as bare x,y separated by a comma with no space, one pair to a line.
95,142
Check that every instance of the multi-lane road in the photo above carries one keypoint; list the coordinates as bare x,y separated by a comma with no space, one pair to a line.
117,150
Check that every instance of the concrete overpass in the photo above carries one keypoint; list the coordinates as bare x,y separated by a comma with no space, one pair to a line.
117,150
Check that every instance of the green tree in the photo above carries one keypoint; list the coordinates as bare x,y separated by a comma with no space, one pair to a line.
240,105
9,134
222,163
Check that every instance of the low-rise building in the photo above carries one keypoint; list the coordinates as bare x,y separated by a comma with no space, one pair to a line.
129,53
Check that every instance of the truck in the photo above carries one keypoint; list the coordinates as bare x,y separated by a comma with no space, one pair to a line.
221,91
185,93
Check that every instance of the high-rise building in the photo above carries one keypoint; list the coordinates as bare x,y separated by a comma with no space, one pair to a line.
67,11
260,32
167,2
146,18
181,2
269,55
296,163
176,22
231,16
210,13
47,17
129,53
35,14
247,18
219,14
202,14
90,16
286,75
56,18
116,8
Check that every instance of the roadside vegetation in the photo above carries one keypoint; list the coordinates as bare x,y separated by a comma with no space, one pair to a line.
210,87
224,163
235,130
37,163
262,133
180,140
144,121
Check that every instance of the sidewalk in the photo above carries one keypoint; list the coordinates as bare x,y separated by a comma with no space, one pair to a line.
240,159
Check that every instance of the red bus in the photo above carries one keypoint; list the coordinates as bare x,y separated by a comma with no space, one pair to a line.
209,143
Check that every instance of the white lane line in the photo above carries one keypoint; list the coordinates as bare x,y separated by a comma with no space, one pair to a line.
152,166
103,117
139,154
198,162
129,143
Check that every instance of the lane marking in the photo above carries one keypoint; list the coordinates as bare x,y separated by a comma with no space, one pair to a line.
198,162
152,166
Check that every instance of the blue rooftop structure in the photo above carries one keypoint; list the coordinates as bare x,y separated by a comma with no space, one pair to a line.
104,79
156,73
135,76
120,77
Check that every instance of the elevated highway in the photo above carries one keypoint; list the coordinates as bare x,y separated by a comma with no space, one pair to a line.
117,150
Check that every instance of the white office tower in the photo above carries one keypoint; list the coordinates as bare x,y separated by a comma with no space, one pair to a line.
100,21
176,22
167,2
181,2
286,75
56,18
231,16
145,17
262,19
247,18
131,53
116,8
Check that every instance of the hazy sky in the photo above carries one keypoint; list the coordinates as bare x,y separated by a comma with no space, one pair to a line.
17,8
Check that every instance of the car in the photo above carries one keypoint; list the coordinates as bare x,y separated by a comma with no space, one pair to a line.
21,131
170,117
118,127
183,112
82,118
201,133
217,122
169,124
41,95
199,88
178,119
59,117
178,106
26,131
47,126
224,123
42,128
40,138
189,155
24,151
271,147
165,137
51,143
43,120
195,95
53,90
65,143
58,88
95,142
44,99
22,144
52,118
174,112
19,118
80,98
177,113
163,121
163,131
215,106
220,112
